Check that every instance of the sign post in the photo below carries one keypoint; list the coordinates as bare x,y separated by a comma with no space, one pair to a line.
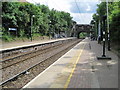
13,29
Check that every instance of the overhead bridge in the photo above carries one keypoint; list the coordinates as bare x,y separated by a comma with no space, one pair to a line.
78,28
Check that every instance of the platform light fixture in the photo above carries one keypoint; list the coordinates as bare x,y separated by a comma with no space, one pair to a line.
31,25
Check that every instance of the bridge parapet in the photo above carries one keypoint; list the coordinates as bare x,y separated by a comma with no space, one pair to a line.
83,27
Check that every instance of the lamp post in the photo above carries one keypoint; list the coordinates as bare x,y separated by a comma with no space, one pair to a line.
31,25
93,27
49,29
104,17
108,26
59,31
103,55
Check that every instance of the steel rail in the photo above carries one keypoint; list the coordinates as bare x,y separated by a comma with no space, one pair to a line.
24,72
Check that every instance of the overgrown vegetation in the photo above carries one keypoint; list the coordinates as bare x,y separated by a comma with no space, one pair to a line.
30,19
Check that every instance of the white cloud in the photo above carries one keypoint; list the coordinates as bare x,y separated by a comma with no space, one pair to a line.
83,18
60,5
88,7
88,0
65,5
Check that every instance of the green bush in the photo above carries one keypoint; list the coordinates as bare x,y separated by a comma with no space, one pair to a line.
7,38
36,35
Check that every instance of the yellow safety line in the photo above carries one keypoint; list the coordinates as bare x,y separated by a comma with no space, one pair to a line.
69,78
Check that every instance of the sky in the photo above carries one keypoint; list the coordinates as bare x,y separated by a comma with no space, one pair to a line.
80,10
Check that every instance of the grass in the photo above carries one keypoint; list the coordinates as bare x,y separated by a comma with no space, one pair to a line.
9,38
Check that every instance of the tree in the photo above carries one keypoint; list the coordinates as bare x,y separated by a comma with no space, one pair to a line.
114,18
46,21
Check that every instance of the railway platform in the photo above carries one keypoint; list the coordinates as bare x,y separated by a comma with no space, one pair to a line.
8,46
79,68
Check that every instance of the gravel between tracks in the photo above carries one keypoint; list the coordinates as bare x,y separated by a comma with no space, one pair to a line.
19,67
21,81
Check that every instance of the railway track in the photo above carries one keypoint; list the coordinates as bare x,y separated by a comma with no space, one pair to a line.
22,64
24,56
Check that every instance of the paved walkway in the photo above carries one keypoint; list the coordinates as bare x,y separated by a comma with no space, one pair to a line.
93,73
79,68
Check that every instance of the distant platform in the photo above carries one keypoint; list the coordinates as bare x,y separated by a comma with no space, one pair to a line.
26,44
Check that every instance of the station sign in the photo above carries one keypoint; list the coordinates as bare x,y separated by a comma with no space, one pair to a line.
12,29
